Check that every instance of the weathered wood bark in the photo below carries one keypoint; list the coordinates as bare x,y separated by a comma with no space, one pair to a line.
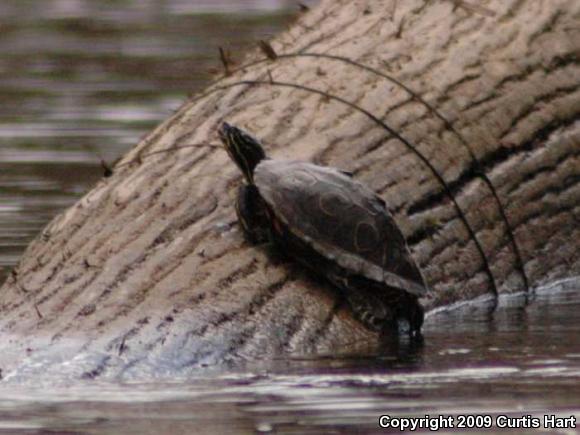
149,270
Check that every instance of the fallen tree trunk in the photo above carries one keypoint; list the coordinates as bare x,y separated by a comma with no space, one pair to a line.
149,271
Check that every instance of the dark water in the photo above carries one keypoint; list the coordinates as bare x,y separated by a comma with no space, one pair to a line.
82,80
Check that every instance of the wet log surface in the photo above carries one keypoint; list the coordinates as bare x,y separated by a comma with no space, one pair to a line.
148,273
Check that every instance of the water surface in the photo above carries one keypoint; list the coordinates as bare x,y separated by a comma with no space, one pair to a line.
519,359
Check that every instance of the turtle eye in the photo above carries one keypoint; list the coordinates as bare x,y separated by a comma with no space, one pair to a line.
225,132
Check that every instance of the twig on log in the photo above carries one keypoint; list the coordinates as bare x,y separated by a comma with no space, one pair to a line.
225,62
267,49
475,8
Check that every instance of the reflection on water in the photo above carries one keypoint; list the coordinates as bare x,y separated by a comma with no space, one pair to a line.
520,359
82,80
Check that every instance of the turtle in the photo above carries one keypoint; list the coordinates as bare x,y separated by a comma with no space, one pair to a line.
334,225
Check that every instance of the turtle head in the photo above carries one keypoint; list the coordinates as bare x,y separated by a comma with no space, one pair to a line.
244,150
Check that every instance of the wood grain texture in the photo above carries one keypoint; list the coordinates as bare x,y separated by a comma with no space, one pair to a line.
150,271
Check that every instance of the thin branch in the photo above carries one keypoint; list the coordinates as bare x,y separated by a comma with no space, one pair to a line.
166,150
479,170
389,129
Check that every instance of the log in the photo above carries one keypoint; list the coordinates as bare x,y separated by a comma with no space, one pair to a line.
464,118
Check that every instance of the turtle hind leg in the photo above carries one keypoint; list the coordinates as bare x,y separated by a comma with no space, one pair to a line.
252,215
385,310
370,311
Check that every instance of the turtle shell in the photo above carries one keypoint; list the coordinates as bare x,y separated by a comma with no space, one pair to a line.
341,219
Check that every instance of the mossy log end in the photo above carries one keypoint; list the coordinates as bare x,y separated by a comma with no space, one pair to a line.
150,271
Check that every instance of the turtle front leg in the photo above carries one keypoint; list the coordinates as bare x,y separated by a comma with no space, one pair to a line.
253,215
